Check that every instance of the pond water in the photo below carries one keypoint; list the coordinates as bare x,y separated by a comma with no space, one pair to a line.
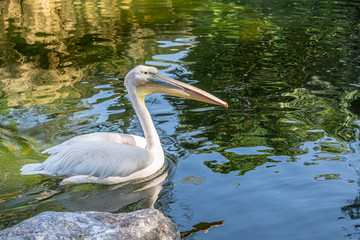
282,162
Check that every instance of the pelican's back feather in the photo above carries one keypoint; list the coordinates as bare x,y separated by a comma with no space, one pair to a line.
94,158
100,136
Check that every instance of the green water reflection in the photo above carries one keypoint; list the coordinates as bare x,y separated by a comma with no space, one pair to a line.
289,71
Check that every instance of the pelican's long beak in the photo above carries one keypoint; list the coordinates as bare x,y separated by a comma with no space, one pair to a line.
161,84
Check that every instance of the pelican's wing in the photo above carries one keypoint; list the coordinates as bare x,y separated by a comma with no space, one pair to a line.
94,158
128,139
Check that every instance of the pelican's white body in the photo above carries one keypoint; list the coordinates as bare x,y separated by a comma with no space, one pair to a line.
111,158
92,144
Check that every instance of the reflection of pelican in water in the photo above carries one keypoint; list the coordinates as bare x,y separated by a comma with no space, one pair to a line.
111,158
113,198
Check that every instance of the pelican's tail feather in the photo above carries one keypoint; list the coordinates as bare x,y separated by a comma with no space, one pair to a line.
32,168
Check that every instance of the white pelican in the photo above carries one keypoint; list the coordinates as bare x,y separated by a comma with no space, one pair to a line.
111,158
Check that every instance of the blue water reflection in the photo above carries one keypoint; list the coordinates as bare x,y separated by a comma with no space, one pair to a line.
282,162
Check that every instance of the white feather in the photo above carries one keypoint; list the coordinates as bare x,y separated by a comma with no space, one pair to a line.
100,136
93,158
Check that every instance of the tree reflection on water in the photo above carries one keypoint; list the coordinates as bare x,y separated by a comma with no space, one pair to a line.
289,71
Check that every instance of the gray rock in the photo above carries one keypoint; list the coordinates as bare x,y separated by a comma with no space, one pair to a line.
142,224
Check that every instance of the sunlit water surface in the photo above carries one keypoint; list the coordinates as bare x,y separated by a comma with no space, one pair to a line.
282,162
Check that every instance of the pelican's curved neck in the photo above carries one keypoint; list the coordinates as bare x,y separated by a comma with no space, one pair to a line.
151,135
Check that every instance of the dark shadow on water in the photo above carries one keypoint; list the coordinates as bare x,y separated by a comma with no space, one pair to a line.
47,196
202,226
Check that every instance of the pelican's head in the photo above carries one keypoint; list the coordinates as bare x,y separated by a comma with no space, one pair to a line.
139,75
145,80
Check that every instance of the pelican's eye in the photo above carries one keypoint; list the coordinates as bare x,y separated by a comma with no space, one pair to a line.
146,73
